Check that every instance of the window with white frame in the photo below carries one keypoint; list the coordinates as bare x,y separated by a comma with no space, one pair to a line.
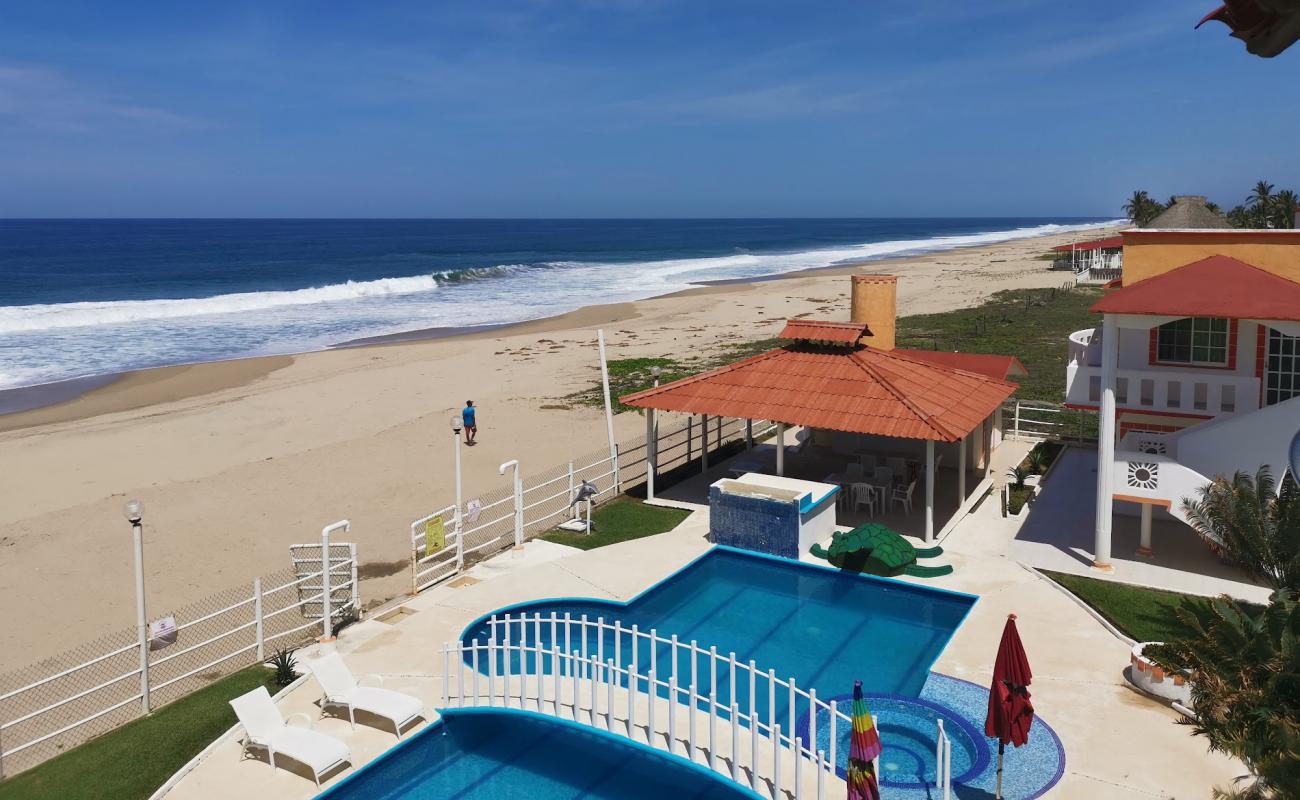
1282,372
1193,340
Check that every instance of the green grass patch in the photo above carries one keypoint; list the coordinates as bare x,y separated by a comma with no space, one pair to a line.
134,760
620,521
1147,615
1031,324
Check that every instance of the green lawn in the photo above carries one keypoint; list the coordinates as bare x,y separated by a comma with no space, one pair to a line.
1144,614
620,521
134,760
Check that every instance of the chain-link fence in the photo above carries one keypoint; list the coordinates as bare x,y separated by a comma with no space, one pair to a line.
492,521
60,702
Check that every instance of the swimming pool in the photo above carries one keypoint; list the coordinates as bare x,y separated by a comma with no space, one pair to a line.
487,754
823,627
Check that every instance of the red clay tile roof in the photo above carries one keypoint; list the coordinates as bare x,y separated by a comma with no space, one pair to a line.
995,366
1109,243
859,391
1217,286
816,330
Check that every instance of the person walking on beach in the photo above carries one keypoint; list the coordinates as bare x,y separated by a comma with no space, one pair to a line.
467,414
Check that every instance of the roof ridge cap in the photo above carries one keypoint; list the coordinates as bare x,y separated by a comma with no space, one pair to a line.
927,419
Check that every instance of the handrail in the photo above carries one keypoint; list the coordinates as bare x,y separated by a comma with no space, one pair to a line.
576,657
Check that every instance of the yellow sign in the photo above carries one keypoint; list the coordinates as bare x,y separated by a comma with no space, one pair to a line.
435,536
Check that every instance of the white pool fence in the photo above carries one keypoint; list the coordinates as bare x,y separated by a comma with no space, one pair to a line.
744,722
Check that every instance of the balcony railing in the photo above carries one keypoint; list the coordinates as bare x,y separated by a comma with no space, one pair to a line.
1180,392
1085,347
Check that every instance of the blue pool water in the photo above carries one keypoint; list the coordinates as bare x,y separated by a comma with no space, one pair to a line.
820,626
490,754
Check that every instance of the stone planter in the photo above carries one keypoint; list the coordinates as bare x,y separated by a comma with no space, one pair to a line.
1154,680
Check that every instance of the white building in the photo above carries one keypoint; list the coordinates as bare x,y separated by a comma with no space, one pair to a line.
1195,369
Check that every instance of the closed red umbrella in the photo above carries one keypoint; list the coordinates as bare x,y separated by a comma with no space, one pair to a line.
1010,712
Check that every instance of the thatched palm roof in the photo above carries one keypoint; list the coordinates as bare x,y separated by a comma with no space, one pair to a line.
1189,211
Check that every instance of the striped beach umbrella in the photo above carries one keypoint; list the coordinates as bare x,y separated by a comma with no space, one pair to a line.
864,748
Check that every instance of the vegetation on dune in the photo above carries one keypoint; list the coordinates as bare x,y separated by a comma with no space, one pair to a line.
629,375
1031,324
1262,208
131,762
622,520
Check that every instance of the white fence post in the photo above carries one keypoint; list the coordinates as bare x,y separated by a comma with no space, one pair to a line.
1016,429
690,433
327,624
356,584
257,614
518,495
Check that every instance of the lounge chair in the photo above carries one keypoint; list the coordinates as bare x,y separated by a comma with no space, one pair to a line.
342,689
265,727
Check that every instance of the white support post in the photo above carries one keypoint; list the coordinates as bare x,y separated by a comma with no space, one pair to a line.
704,443
961,472
518,497
690,436
141,617
1144,543
257,615
1106,442
609,413
929,491
1016,429
650,455
327,612
780,448
618,479
834,731
735,739
776,760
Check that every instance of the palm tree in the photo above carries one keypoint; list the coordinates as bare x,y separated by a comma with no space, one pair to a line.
1285,205
1257,525
1213,207
1245,666
1140,208
1261,196
1239,217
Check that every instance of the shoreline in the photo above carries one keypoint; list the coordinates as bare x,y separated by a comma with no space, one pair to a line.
236,460
79,398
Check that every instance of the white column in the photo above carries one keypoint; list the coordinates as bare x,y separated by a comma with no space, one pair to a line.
929,491
704,443
961,472
1106,442
1144,546
780,448
650,454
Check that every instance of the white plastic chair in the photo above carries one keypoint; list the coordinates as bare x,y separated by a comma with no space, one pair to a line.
903,496
266,728
342,689
864,494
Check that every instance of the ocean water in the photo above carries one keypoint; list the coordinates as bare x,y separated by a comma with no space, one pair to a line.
82,298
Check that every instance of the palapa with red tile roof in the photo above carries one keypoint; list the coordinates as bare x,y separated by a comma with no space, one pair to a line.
817,330
855,389
1218,286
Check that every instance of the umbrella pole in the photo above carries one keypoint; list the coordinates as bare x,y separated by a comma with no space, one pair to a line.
1002,746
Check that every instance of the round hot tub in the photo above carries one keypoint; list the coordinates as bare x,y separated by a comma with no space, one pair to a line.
908,730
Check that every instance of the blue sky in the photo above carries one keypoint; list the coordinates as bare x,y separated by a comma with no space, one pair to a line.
631,108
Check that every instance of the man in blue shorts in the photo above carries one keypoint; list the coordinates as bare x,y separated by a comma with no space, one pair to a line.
467,414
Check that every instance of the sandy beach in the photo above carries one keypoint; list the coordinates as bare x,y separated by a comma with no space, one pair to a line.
236,460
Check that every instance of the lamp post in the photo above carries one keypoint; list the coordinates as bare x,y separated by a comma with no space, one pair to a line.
134,513
456,427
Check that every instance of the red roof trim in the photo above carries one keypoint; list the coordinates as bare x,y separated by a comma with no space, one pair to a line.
814,330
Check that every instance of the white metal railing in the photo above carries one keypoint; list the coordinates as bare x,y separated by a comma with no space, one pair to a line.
943,763
601,673
33,732
1166,389
1029,420
532,508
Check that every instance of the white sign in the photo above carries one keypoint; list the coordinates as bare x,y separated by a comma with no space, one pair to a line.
473,510
162,633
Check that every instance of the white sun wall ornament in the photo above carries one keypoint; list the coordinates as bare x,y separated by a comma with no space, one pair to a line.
1143,475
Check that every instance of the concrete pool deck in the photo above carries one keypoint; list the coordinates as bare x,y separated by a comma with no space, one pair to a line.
1118,744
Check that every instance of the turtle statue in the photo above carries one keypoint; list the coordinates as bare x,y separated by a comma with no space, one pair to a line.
877,550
